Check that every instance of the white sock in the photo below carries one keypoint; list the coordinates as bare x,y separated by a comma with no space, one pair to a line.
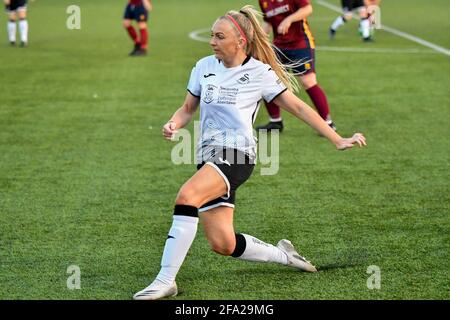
12,31
257,250
337,23
23,26
276,119
365,28
179,240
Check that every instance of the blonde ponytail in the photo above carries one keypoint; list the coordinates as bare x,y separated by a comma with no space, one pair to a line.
258,45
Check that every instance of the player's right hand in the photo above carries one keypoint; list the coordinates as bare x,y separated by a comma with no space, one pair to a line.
169,130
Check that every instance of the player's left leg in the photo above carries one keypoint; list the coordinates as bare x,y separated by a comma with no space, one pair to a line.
143,30
12,27
365,24
218,226
308,79
23,25
141,16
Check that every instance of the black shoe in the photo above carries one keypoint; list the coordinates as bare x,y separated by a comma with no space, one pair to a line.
368,39
140,52
23,44
272,125
331,125
331,33
13,44
136,48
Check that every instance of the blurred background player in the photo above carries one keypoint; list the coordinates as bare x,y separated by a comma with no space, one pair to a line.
137,10
362,6
17,9
293,38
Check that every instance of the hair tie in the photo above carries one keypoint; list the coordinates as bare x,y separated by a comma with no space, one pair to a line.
237,26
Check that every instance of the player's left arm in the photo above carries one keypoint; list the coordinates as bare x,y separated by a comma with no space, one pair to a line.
298,15
148,5
291,103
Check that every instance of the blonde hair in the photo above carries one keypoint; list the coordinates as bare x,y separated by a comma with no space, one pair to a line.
258,45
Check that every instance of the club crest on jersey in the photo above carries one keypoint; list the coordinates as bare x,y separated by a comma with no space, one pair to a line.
244,79
209,94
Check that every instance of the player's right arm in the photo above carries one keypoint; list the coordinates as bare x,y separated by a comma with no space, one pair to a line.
182,116
7,2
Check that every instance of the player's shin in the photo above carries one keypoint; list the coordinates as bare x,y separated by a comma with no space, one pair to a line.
179,240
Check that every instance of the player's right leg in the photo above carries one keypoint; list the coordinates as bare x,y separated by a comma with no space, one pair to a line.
205,185
347,6
128,17
11,25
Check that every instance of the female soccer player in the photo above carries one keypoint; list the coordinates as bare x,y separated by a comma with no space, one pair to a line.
362,6
228,86
137,10
14,9
295,43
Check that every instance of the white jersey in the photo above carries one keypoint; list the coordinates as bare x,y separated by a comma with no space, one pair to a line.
229,101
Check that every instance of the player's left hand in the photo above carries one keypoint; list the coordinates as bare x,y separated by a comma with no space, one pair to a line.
148,5
284,26
346,143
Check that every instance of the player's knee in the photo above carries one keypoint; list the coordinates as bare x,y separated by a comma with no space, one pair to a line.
187,196
126,24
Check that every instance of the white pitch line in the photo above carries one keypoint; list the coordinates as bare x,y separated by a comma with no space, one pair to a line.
394,31
196,35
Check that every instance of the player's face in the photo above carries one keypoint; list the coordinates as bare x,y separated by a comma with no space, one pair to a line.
224,41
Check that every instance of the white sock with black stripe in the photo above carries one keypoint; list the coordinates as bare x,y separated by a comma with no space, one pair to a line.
337,23
365,28
12,31
252,249
179,240
23,26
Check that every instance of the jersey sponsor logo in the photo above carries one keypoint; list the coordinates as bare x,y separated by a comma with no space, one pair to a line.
209,95
277,11
208,75
227,95
265,5
244,79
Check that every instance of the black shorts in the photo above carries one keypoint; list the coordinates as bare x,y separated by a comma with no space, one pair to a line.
350,5
235,168
138,13
16,5
305,56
